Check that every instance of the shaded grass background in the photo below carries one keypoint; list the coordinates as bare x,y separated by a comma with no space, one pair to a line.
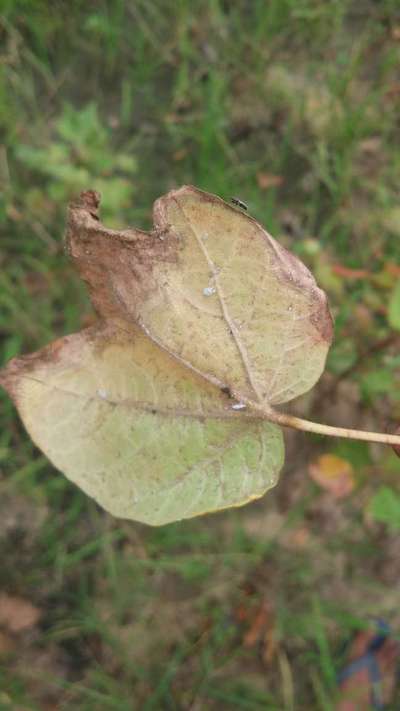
134,98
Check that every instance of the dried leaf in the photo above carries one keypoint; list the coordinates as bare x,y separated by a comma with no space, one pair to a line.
180,154
259,620
268,180
7,645
141,434
395,33
333,474
17,614
212,287
347,273
393,269
141,428
297,538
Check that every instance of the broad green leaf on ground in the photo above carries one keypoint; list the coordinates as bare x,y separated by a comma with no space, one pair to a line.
146,437
213,288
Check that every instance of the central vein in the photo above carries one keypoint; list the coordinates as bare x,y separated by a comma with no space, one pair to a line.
231,325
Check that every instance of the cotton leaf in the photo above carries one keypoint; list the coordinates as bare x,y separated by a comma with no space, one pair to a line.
146,437
143,411
213,288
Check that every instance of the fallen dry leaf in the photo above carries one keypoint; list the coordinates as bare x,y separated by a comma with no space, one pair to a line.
395,33
297,538
213,288
348,273
259,619
180,154
333,474
7,644
268,180
17,614
258,616
393,269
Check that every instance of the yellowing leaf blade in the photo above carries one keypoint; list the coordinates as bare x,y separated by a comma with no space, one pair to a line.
205,310
144,436
214,289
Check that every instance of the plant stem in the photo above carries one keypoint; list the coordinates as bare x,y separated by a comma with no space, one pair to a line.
298,423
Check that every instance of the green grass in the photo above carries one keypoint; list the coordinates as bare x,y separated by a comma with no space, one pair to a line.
134,98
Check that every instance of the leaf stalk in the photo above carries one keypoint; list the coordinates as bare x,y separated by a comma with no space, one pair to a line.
298,423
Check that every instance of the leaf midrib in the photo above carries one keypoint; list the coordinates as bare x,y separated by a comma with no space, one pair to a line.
231,325
142,406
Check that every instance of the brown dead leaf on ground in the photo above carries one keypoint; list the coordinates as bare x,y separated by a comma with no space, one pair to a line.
258,620
20,514
334,474
347,273
257,617
40,666
17,614
393,269
7,644
296,539
180,154
269,180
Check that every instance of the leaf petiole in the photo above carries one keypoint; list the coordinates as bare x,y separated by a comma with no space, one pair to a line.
298,423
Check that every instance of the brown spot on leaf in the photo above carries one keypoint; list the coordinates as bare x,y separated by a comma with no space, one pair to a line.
117,265
162,348
322,318
88,200
157,280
